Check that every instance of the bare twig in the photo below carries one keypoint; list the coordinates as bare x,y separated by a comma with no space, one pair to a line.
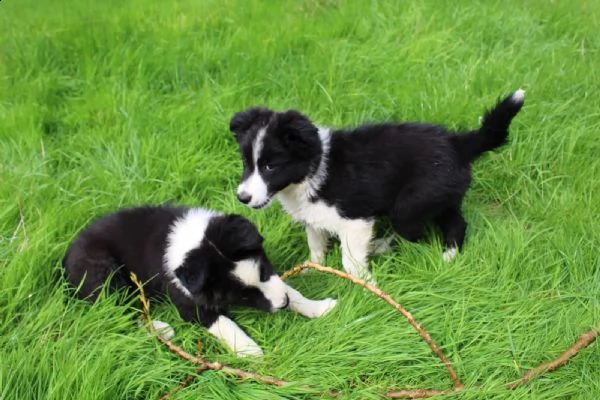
419,393
188,379
183,384
386,297
584,341
201,362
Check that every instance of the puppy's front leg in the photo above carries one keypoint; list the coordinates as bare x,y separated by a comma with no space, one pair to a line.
234,337
308,308
317,243
218,325
355,240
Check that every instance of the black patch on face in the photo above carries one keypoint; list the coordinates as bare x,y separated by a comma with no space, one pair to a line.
207,270
291,147
291,151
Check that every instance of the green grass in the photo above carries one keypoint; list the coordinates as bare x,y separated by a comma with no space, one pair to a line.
110,104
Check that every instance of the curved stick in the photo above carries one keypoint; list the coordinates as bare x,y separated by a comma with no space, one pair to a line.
411,320
585,339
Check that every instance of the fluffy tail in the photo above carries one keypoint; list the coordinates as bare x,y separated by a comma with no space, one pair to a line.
494,129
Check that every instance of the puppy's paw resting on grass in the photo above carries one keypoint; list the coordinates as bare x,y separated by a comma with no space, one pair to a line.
163,329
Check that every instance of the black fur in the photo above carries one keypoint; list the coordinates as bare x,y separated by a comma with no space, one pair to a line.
135,240
412,173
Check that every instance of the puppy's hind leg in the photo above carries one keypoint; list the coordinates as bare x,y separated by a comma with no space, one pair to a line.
88,269
382,245
453,227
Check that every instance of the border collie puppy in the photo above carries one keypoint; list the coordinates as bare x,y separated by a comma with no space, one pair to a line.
204,261
339,181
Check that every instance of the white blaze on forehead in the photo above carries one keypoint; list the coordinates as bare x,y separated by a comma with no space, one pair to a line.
274,289
257,145
254,185
186,233
247,272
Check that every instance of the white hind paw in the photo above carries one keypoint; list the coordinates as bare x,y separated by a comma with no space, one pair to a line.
449,254
163,329
382,245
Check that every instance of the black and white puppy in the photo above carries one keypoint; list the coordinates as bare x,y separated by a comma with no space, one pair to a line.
339,181
203,260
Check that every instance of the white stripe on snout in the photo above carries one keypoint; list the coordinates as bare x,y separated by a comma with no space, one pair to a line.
186,233
254,185
257,188
257,145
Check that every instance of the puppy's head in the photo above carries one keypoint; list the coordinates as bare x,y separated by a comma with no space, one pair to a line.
230,267
277,149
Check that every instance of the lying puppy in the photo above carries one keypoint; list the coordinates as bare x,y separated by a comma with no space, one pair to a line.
203,260
338,182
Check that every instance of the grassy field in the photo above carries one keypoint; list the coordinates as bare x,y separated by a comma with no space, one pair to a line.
110,104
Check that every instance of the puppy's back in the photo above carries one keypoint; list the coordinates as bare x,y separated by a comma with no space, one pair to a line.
130,240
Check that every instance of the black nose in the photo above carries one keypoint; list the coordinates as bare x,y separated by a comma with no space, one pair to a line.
244,197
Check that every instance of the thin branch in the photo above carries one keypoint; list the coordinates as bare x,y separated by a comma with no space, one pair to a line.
183,384
584,341
201,362
420,393
426,337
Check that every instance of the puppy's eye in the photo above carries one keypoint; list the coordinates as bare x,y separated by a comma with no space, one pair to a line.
269,166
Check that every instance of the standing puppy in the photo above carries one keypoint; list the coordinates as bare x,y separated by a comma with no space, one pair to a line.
338,182
203,260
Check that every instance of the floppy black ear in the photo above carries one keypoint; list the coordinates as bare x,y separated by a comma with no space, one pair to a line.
235,236
243,120
191,276
298,132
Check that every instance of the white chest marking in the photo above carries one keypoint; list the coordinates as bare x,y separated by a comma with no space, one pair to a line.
295,200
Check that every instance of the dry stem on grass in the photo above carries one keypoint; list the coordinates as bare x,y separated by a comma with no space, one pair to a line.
584,341
198,360
386,297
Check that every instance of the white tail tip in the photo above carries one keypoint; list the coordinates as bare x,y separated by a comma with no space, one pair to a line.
518,96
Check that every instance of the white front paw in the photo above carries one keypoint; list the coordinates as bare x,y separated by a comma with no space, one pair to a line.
322,307
250,349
